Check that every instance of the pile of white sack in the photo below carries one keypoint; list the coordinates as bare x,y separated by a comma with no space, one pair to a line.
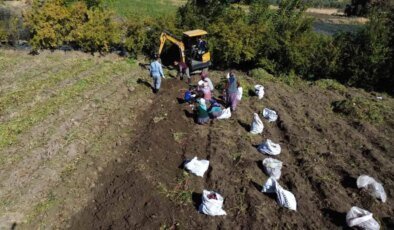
259,90
257,126
197,167
212,204
270,115
372,186
269,148
226,114
284,198
362,219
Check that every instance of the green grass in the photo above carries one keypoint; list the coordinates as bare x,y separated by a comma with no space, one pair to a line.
10,130
143,8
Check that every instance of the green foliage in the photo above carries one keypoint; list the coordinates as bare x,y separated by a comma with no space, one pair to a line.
361,109
98,32
56,22
366,57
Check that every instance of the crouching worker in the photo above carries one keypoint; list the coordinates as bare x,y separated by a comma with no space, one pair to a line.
202,112
183,71
189,95
215,110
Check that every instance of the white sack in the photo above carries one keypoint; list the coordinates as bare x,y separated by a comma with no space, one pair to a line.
375,189
226,114
272,167
197,167
257,125
270,115
269,148
284,197
259,90
212,207
357,217
239,93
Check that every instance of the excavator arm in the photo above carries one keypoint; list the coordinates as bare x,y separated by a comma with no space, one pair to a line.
167,36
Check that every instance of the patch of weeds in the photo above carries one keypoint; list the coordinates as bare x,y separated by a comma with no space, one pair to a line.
161,117
291,80
68,170
43,206
4,203
360,108
169,226
262,75
131,61
181,193
236,157
178,137
331,84
240,203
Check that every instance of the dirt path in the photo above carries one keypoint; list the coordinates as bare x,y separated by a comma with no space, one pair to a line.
323,154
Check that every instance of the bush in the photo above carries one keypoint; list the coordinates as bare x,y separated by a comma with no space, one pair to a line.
262,75
54,23
98,33
366,57
331,84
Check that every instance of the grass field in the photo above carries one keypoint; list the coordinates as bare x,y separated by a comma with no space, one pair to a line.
58,116
143,8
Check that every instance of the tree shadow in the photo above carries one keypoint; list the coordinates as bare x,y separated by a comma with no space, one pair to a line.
143,65
197,199
244,125
145,83
338,218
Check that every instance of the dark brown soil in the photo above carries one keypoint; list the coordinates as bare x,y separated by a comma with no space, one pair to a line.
323,154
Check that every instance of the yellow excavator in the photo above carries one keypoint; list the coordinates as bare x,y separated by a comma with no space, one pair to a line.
193,48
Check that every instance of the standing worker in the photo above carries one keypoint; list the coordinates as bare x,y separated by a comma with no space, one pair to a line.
231,90
156,72
183,70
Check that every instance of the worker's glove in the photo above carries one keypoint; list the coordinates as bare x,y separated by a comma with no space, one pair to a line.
163,77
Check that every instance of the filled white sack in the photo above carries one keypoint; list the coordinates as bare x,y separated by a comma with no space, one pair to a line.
358,217
269,148
259,90
257,125
226,114
197,167
239,93
270,115
284,197
273,167
374,188
212,206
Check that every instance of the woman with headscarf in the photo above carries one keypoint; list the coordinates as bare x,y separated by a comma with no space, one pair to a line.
204,89
202,112
231,90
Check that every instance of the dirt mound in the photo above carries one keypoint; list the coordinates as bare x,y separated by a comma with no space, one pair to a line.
323,154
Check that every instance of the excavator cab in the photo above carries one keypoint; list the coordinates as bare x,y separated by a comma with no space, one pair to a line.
193,48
